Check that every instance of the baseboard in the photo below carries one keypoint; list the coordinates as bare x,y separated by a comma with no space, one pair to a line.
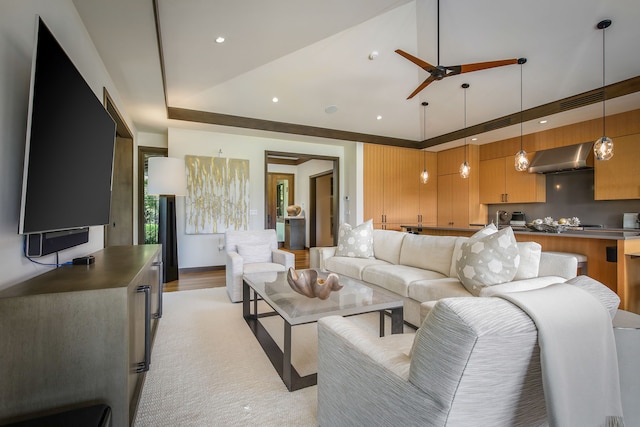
202,269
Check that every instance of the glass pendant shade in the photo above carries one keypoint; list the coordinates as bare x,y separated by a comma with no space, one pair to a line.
465,169
424,176
521,163
603,148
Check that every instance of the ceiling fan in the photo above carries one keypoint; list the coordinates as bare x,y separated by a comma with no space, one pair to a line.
439,72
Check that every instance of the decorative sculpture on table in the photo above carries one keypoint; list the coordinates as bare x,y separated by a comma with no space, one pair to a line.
307,283
295,210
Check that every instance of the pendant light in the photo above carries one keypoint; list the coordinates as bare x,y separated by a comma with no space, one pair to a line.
465,169
521,161
424,175
603,147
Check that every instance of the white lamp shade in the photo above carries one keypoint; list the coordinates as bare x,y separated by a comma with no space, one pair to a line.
167,176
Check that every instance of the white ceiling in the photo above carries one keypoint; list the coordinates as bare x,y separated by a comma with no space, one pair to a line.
313,54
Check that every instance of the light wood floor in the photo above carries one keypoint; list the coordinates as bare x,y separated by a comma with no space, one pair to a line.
216,278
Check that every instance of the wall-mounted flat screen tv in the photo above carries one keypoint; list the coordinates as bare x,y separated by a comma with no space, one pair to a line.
69,146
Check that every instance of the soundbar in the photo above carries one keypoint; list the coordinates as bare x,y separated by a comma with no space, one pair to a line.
41,244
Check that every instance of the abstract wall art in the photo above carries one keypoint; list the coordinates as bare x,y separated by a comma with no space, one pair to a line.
217,195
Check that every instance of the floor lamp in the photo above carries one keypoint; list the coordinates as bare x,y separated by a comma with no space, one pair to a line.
167,179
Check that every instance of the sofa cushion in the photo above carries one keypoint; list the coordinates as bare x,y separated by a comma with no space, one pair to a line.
351,267
262,267
530,253
489,260
251,253
396,278
436,289
387,244
355,242
428,252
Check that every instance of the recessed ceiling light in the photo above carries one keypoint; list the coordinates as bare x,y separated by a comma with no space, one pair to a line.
331,109
379,117
275,99
219,39
542,122
474,139
373,55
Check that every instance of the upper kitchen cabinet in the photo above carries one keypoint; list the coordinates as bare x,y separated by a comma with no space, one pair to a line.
619,177
501,183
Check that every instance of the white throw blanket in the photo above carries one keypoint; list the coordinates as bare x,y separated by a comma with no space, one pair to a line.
577,355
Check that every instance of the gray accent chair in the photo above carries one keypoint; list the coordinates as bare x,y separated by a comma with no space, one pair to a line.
236,265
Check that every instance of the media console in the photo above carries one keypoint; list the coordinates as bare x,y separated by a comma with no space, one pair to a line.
80,334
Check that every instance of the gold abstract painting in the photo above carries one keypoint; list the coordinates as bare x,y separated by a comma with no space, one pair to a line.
217,195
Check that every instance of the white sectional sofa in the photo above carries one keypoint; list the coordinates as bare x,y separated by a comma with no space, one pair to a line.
422,269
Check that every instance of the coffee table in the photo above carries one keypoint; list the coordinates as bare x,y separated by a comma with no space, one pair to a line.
295,309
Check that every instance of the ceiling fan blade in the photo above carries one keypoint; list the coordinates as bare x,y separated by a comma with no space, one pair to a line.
419,62
467,68
422,86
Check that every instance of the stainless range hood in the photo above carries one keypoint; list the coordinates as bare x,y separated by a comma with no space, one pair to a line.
563,159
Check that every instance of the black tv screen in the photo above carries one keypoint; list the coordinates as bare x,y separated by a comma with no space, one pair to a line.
69,148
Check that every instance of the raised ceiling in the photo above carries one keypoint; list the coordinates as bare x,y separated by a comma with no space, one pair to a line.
313,55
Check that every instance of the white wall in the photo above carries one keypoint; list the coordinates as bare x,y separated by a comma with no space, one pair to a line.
17,37
202,250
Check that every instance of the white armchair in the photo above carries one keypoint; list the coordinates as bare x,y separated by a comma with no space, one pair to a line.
252,252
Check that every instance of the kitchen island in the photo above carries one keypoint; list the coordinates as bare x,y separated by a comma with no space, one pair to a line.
613,255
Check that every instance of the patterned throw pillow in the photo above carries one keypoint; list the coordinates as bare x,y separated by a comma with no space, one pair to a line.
355,242
488,260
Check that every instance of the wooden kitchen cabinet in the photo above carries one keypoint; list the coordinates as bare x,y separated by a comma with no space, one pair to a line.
501,183
458,198
619,177
393,194
453,201
428,211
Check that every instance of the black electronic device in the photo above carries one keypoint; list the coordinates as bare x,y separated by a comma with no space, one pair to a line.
69,150
84,260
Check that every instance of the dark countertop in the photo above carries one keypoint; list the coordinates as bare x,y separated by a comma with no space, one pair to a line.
592,233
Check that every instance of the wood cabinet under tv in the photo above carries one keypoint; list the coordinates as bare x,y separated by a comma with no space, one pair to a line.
76,335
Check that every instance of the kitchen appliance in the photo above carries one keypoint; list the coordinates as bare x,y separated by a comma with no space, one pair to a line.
517,219
631,220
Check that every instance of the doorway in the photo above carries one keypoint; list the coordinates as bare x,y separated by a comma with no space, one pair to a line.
280,195
304,167
148,206
119,231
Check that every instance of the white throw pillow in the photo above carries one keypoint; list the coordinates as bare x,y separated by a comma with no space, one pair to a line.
255,253
355,242
489,260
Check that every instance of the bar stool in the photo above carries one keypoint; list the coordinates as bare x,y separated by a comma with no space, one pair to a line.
580,258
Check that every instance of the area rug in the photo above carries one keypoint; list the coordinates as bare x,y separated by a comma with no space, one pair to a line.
207,368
